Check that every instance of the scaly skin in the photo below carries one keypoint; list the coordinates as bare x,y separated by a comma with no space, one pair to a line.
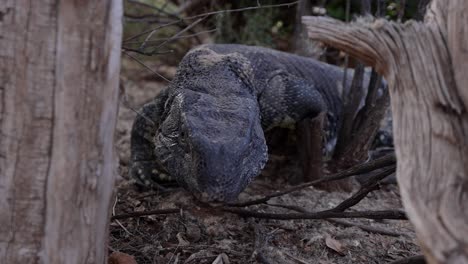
206,129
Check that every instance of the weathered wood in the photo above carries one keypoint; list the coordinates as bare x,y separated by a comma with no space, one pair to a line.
59,69
352,101
365,126
425,65
361,118
309,139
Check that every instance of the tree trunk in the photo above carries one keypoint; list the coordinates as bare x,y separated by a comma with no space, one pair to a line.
59,69
426,67
302,45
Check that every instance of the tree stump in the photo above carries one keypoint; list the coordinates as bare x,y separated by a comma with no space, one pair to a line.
426,66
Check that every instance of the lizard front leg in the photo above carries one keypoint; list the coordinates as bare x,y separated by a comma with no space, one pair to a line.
145,168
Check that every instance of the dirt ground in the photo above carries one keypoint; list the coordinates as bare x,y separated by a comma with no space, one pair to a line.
199,235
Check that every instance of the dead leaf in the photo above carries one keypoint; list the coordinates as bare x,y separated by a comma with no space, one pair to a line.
221,259
121,258
182,241
335,245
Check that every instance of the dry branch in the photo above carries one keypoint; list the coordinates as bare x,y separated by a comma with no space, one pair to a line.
146,213
155,49
146,66
174,38
147,53
425,65
367,187
309,133
182,19
367,228
385,214
358,169
352,101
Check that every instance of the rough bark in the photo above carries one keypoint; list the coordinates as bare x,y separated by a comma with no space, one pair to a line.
360,125
309,144
59,69
425,65
302,45
356,138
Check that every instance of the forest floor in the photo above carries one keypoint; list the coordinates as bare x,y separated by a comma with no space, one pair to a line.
201,235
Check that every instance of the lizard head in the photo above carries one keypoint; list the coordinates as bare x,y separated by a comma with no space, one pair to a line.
213,146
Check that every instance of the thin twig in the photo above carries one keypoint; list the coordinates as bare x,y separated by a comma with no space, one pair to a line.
358,169
365,189
117,221
242,9
147,18
178,33
180,37
155,51
146,213
143,44
146,53
144,65
150,30
210,14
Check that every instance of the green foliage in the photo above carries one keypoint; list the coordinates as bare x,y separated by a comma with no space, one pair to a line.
257,30
262,27
265,27
337,8
269,27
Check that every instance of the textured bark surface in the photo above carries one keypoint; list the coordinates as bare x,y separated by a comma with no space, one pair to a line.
59,69
426,66
309,144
